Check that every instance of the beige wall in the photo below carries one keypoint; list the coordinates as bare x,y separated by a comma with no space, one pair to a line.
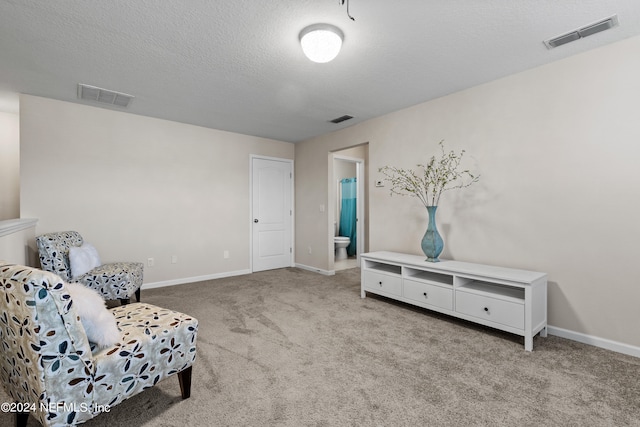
138,187
558,149
9,166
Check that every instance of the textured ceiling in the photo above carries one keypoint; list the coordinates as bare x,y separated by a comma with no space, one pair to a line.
237,65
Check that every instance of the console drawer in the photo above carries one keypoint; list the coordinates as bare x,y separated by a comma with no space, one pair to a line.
491,309
423,293
386,283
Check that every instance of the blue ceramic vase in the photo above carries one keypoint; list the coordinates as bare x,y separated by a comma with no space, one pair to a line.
432,243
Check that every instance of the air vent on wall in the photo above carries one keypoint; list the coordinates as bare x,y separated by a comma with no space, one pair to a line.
104,96
341,119
585,31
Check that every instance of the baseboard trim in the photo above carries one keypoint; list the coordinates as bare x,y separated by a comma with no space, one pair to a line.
194,279
316,270
595,341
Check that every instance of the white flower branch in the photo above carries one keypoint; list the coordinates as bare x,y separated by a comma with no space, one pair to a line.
433,179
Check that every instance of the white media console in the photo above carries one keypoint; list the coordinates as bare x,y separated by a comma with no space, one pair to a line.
503,298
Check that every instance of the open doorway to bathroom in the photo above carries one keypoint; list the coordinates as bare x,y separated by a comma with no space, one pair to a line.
347,202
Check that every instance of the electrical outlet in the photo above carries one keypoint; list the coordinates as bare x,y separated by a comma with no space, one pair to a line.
174,259
309,250
225,255
150,262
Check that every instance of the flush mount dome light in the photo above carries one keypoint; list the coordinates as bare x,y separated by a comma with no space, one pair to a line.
321,42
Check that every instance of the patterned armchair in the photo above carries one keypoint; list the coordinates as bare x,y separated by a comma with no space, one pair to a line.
47,363
118,280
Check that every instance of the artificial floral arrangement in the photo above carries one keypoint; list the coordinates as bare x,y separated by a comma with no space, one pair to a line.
437,176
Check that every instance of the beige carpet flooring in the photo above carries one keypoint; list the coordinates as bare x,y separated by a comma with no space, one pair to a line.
294,348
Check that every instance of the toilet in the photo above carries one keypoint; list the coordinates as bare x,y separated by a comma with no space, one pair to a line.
341,244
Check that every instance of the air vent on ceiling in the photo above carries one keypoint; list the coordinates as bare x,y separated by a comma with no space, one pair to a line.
585,31
341,119
104,96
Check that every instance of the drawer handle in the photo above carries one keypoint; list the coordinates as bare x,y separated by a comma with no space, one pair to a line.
425,295
380,283
486,309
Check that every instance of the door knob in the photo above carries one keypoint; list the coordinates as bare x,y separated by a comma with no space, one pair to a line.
255,220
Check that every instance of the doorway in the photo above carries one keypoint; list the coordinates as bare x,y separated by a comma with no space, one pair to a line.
271,213
347,174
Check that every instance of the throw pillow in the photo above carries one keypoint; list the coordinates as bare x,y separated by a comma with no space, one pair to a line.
83,259
99,323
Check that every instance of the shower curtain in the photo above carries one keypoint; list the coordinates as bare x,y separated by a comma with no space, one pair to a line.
348,213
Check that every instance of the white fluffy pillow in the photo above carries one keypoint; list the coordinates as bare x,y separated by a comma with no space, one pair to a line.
83,259
99,323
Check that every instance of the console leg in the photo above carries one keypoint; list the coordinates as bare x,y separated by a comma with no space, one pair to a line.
528,343
185,382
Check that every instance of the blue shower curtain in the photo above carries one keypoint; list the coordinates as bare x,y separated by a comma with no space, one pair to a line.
348,213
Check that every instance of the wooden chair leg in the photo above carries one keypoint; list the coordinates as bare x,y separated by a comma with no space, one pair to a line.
138,295
184,377
21,419
125,301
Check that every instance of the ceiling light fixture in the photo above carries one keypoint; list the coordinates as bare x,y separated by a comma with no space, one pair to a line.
321,42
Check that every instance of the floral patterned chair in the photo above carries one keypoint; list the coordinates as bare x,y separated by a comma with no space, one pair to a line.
118,280
48,366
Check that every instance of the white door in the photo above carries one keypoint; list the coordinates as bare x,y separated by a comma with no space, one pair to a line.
271,213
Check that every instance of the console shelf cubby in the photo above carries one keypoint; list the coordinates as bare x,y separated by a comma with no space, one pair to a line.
504,298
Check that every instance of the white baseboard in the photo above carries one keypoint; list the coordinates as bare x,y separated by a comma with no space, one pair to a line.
316,270
595,341
194,279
